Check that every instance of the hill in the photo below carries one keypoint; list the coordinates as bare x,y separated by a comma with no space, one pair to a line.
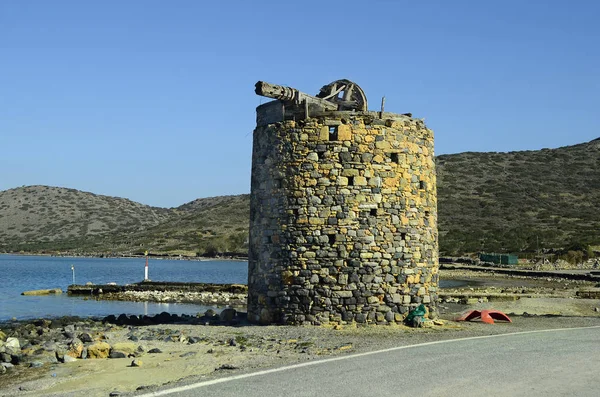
504,202
519,201
43,218
38,217
207,226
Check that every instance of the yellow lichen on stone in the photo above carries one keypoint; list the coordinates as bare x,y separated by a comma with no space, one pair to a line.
344,132
323,133
390,182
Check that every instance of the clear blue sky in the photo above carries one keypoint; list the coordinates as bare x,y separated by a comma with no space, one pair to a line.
154,100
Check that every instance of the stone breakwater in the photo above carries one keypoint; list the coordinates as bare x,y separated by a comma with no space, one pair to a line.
204,298
343,219
199,293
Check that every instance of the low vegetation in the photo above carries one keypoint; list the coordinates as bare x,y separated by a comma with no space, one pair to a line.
528,201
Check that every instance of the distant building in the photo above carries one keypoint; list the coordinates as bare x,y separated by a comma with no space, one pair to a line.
502,259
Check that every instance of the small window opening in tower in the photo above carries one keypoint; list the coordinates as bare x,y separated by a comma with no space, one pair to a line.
394,157
350,181
403,236
333,133
422,185
426,214
373,211
331,238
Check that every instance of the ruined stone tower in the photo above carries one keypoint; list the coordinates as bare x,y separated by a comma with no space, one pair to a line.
343,216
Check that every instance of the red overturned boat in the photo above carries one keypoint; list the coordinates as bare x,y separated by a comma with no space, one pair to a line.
487,316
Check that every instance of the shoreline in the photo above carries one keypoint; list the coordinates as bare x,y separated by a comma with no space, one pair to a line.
150,256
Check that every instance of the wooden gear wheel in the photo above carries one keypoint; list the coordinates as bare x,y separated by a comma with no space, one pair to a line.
346,94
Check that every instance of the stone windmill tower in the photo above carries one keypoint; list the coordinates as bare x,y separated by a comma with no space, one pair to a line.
343,223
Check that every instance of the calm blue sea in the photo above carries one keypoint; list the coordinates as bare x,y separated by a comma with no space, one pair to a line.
22,273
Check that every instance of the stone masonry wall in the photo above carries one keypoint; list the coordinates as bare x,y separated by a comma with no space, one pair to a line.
343,219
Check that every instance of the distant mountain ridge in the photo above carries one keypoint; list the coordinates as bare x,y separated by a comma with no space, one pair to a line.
504,202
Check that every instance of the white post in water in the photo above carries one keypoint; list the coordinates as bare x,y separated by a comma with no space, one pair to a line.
146,268
73,271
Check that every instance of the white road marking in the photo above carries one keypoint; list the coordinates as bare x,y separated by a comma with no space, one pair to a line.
328,360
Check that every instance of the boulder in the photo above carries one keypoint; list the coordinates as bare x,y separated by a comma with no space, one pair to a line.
36,292
42,323
29,350
12,343
50,346
75,348
46,357
85,337
69,359
16,359
193,339
110,319
210,313
125,347
2,336
117,354
163,318
122,319
227,315
98,350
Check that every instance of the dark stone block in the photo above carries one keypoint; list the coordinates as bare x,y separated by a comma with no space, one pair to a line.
116,354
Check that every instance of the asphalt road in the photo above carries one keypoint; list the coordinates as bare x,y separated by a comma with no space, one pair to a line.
562,362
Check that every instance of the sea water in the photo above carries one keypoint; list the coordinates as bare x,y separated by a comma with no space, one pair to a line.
20,273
